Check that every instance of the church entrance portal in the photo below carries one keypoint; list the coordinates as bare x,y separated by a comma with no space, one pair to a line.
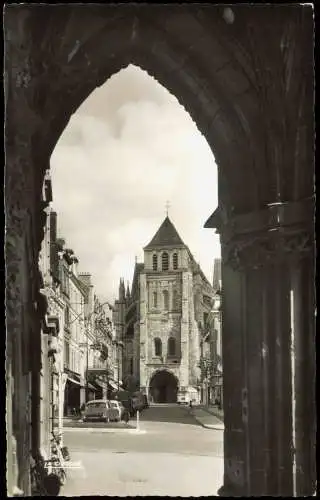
163,387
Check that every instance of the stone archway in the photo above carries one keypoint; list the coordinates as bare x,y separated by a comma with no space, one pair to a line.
163,387
253,101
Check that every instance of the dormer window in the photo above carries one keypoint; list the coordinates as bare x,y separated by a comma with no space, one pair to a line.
175,261
165,261
154,262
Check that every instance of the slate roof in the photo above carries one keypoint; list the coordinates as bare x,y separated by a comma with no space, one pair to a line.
167,235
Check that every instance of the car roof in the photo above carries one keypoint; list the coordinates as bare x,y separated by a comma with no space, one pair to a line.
97,401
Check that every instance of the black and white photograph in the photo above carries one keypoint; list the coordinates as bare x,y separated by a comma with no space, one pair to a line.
159,199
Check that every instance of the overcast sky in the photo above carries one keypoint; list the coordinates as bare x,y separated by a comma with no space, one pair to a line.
128,149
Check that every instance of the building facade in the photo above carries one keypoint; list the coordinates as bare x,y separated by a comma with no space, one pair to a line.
165,315
103,351
211,346
51,373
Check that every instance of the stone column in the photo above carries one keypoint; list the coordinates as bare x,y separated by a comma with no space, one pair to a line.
259,270
303,329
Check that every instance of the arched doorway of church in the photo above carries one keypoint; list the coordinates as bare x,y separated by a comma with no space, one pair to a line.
163,387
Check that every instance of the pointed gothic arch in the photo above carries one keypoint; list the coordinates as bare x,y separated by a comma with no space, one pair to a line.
221,69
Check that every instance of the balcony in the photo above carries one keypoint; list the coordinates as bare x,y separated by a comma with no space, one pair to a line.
101,368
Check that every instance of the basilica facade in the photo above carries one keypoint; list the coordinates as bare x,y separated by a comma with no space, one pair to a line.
165,317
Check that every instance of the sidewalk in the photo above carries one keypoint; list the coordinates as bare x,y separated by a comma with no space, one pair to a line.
207,417
68,420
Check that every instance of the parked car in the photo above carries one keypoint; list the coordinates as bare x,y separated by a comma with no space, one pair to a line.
183,397
125,398
98,409
119,410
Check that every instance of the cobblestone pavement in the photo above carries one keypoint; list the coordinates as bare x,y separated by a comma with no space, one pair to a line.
173,455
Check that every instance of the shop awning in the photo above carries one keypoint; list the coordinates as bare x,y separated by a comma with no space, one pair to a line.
100,384
113,384
73,380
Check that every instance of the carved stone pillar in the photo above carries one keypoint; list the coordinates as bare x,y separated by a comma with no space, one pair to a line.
303,326
261,253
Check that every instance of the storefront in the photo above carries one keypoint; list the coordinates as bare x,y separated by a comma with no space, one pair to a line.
72,399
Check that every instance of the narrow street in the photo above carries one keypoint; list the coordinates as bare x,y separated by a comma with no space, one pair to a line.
171,455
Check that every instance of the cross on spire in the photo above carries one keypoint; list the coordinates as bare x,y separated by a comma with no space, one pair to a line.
167,207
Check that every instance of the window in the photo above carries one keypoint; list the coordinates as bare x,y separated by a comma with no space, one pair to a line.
171,346
67,316
205,319
165,261
157,347
155,262
155,299
165,299
175,261
66,353
175,299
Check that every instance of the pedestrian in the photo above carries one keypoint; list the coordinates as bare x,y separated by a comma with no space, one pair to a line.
82,408
190,403
126,416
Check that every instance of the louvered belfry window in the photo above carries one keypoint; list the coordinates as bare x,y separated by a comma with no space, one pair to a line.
165,261
175,261
155,262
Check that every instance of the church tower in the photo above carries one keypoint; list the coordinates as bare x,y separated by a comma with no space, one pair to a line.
169,336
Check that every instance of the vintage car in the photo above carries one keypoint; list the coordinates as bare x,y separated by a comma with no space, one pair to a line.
100,410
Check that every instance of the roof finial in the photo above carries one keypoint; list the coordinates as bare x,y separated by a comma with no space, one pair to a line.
167,208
